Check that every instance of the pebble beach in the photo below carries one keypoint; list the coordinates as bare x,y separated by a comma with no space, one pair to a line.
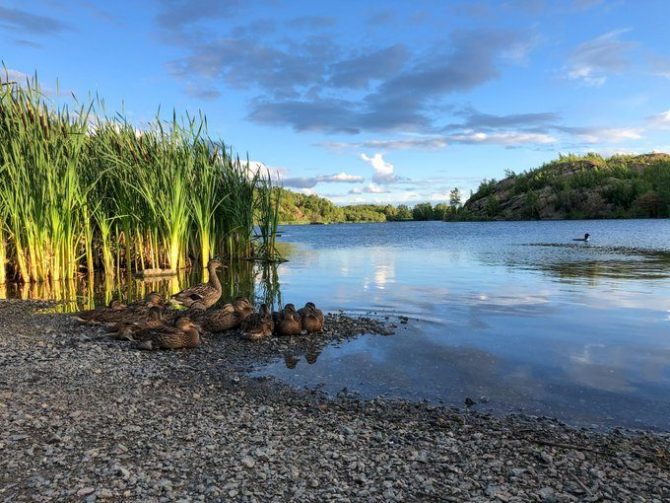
87,418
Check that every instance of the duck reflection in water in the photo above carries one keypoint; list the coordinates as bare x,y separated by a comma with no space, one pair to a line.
312,354
291,360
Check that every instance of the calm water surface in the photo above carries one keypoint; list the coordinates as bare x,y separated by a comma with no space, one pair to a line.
514,312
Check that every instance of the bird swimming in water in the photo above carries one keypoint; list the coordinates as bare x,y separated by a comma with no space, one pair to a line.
585,239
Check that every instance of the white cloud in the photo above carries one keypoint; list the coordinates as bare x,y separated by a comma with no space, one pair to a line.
661,120
592,62
276,174
429,143
604,135
503,138
312,181
371,188
307,192
344,177
661,66
9,75
384,171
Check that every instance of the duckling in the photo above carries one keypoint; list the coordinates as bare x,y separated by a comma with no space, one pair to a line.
312,318
206,293
184,334
259,325
220,320
289,321
111,313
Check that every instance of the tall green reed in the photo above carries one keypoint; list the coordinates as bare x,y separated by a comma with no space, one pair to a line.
83,192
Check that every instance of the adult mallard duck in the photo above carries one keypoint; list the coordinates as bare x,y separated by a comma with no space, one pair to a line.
259,325
184,334
311,318
111,314
289,321
206,293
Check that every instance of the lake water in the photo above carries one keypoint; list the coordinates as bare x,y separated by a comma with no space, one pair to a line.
514,315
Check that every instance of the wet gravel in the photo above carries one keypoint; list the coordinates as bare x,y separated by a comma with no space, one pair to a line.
87,418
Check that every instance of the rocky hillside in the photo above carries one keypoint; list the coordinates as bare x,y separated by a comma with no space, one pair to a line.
578,187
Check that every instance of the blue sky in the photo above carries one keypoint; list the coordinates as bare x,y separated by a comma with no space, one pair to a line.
380,101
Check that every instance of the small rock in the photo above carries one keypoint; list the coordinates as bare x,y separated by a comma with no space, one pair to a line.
85,491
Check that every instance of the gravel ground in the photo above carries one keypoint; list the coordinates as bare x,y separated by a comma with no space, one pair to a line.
86,418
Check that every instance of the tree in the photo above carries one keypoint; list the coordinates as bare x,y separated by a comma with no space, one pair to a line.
403,213
390,212
440,211
455,198
422,211
492,206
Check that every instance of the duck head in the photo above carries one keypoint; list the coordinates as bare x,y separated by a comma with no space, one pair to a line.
214,264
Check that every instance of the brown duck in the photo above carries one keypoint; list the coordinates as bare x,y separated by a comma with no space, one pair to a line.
129,330
110,314
220,320
137,312
259,325
206,293
184,334
289,321
311,318
243,307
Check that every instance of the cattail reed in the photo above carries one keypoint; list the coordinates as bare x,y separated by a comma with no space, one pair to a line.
82,193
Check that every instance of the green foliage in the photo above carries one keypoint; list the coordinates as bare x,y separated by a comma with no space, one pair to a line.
403,213
486,188
582,186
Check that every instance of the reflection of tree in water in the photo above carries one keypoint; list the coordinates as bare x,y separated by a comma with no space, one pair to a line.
614,269
268,286
579,261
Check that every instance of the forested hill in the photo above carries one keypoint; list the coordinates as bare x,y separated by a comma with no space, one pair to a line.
578,187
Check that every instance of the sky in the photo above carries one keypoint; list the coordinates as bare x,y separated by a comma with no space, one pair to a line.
366,101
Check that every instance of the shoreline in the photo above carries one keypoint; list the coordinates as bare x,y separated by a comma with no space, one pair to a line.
87,418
